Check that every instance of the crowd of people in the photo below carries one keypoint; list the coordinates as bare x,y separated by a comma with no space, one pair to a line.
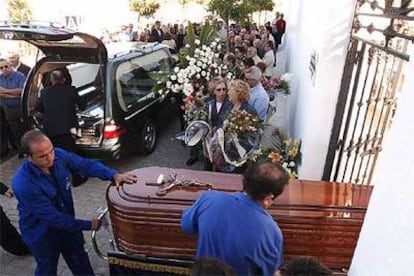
243,240
171,35
240,38
251,59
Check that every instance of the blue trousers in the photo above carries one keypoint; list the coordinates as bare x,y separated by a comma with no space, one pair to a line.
70,245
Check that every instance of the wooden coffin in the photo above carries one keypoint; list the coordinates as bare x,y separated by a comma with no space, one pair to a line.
321,219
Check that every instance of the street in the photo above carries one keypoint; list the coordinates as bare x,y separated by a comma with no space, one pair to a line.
88,197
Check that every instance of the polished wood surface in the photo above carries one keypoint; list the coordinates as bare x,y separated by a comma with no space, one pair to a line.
321,219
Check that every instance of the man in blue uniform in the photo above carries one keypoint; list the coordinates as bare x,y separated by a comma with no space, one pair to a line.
42,186
236,228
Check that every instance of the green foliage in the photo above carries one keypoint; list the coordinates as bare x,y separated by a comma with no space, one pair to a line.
225,9
285,151
191,36
207,34
144,7
263,5
239,11
282,84
19,10
183,2
161,78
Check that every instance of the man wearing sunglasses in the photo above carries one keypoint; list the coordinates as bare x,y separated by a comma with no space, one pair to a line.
11,86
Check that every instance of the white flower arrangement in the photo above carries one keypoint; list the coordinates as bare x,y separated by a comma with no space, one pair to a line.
200,69
286,77
196,67
279,83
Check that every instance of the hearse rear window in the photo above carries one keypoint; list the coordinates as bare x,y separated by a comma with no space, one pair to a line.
133,82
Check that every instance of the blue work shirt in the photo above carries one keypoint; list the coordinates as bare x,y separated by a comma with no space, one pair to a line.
259,99
45,202
236,230
15,80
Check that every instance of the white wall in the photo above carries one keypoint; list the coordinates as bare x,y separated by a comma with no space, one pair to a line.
323,27
386,243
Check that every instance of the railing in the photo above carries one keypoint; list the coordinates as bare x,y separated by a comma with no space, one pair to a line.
367,100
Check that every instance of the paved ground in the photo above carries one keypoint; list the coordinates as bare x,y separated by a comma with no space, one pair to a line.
88,197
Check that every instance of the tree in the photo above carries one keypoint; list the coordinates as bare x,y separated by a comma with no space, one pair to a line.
19,10
183,2
226,10
240,10
263,5
144,7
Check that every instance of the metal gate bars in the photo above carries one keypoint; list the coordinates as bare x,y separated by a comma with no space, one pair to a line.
369,89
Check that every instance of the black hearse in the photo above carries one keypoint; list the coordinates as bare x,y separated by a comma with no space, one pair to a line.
121,108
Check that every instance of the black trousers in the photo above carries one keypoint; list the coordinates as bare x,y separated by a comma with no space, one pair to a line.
4,132
64,141
10,239
15,125
70,245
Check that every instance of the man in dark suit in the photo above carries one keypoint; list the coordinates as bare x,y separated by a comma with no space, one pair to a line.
58,105
14,60
157,35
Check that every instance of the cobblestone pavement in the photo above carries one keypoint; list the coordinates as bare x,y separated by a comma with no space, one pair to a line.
88,197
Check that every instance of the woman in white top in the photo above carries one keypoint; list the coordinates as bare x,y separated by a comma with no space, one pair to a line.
269,59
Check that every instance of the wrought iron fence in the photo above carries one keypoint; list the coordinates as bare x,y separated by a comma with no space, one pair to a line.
369,89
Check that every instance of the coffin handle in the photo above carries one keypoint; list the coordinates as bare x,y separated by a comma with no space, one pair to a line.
101,216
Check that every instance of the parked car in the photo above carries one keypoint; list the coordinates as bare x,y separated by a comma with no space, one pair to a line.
121,110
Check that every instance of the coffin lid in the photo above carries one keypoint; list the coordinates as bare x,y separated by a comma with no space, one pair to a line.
300,197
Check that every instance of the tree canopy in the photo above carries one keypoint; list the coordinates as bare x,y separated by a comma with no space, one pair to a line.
239,10
144,7
19,10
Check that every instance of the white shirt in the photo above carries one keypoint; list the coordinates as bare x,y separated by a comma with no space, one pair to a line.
269,59
218,106
256,59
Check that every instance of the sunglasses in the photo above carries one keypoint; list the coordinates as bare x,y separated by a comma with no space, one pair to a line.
4,67
221,89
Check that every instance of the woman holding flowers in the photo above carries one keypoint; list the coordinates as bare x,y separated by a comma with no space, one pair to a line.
239,138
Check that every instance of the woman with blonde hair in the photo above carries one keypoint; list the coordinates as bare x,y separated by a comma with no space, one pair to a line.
239,95
230,148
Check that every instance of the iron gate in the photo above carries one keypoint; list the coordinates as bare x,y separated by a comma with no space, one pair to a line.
369,88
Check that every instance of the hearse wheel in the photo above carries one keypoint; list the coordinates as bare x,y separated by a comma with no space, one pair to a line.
147,137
